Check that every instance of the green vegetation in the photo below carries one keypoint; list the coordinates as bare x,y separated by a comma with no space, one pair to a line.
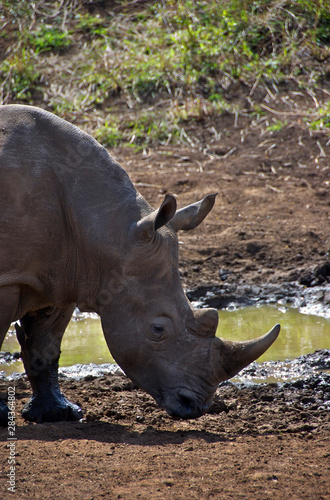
48,38
322,118
187,53
276,126
19,76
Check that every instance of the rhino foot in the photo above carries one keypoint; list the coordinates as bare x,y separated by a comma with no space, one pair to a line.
51,408
3,414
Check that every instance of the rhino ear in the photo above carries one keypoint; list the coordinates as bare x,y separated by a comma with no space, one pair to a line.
189,217
147,226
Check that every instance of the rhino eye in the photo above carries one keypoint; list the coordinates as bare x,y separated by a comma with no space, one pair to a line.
158,329
157,332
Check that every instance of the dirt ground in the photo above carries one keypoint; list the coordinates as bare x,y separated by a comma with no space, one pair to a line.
257,442
270,224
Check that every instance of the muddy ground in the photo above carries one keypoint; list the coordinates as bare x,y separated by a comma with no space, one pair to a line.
257,442
270,225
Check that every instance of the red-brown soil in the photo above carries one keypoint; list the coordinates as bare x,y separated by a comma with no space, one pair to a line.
258,442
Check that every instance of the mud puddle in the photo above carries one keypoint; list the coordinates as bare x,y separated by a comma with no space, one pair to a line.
301,333
85,353
314,300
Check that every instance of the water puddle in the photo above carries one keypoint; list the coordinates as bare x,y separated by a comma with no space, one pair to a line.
301,334
83,343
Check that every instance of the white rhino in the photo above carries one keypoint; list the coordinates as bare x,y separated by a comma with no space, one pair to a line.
75,232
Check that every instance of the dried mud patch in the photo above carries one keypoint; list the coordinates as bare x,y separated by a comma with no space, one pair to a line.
270,220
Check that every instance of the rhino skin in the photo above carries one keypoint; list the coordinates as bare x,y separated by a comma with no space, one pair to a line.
75,232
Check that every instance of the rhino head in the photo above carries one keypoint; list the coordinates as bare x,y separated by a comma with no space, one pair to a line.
163,344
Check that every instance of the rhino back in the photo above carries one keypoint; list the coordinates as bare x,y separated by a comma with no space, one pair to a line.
59,188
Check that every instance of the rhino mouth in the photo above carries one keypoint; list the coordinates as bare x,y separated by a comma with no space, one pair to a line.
185,405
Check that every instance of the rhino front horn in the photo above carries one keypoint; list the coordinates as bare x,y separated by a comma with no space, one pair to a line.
228,358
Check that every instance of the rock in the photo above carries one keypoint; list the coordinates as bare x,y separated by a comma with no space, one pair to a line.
224,274
326,298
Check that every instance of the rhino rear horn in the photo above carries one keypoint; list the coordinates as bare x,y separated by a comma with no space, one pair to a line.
205,323
191,216
228,358
148,225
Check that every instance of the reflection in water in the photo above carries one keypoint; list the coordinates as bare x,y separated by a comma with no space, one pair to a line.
84,343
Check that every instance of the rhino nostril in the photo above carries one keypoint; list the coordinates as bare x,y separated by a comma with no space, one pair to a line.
187,402
184,405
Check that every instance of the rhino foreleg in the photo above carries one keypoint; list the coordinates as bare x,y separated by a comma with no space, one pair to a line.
40,336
